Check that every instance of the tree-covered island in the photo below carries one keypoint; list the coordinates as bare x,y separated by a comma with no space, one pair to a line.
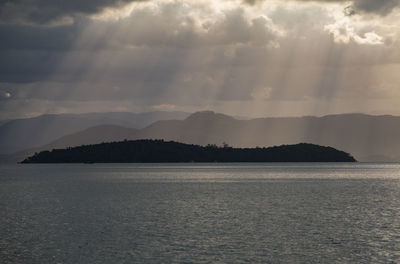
147,151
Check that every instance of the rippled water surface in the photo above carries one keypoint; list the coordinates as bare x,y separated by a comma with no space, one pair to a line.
200,213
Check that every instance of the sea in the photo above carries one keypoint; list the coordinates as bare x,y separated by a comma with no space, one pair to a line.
200,213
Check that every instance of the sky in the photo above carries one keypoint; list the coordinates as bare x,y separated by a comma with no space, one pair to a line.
253,58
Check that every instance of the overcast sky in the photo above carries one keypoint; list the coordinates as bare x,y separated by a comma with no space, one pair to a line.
249,58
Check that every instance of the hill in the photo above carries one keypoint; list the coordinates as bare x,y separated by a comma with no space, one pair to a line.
161,151
21,134
368,138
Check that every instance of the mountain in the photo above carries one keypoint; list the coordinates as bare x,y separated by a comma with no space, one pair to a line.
161,151
366,137
21,134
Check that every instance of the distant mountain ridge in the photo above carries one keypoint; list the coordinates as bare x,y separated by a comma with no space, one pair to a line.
21,134
162,151
368,138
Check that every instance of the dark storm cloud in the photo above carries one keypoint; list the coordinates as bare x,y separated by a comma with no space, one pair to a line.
382,7
379,7
50,11
22,37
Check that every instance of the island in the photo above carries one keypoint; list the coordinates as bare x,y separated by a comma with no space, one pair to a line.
160,151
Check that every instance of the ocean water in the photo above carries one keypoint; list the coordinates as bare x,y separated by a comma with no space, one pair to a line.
200,213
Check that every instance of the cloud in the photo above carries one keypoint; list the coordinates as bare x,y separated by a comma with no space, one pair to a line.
47,12
344,32
370,38
378,7
173,54
252,2
263,93
165,107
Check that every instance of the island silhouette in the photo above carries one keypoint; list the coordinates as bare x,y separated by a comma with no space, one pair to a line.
160,151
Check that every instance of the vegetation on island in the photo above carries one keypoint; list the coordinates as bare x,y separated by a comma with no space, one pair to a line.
146,151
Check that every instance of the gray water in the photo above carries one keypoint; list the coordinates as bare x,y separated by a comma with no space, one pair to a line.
200,213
